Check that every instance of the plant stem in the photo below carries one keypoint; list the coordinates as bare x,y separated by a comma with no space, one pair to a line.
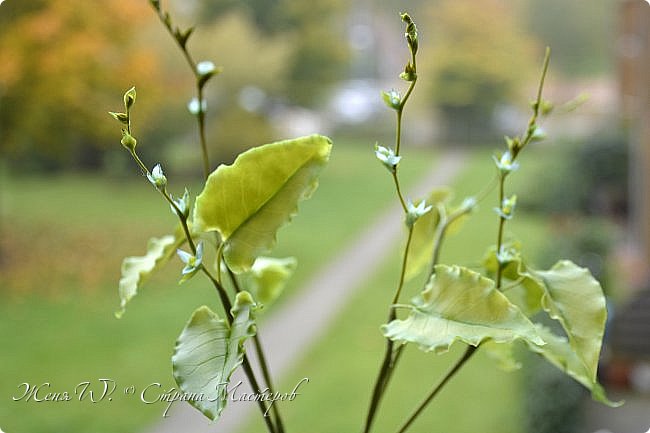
399,190
199,90
391,357
451,373
262,360
256,388
399,111
267,378
225,301
143,168
528,136
398,131
380,382
402,275
223,296
441,231
502,222
530,131
204,144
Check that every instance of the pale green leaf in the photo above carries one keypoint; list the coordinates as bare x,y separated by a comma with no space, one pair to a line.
502,354
136,270
558,351
208,351
424,230
460,304
248,201
268,277
519,284
574,298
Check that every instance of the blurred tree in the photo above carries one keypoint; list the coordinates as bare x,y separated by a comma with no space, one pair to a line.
582,33
481,57
317,31
255,67
321,50
63,64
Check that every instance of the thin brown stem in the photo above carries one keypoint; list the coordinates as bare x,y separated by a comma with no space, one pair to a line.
391,357
248,369
380,381
269,383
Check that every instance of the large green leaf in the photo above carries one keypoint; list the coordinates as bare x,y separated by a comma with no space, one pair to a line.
460,304
559,352
424,230
208,351
268,277
574,298
248,201
136,270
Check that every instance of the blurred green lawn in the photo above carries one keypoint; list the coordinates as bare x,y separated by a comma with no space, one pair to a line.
62,242
63,239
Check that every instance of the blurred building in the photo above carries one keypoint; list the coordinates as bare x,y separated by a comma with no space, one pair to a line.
627,369
633,47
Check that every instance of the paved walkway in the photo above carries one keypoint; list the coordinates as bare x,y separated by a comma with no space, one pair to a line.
313,308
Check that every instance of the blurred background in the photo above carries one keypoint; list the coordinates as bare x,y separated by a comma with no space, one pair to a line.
73,204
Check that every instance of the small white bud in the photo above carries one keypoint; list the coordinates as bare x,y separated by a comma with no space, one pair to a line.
194,107
387,157
413,213
157,177
205,67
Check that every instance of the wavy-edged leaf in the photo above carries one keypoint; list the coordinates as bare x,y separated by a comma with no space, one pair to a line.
424,230
460,304
575,299
248,201
208,351
136,270
268,277
558,351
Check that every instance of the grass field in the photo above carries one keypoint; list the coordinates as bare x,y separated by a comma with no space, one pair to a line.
62,242
63,239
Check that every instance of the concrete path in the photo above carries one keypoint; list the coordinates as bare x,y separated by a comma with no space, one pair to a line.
307,316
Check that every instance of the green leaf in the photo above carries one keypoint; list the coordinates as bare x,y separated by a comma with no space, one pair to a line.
519,284
248,201
558,351
268,277
424,231
502,354
574,298
460,304
208,351
136,270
